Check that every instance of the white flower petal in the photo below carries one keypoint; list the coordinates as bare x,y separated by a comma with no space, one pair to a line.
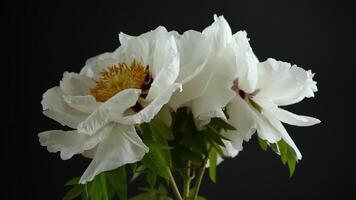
283,132
97,64
293,119
55,108
243,118
146,114
229,150
122,146
204,118
217,77
246,63
194,49
69,143
86,104
90,153
283,115
284,84
114,107
76,84
165,67
219,33
124,38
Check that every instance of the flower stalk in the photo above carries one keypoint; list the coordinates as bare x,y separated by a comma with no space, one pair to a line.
174,186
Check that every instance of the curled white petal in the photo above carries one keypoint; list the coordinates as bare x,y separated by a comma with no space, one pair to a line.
165,67
146,114
76,84
56,108
219,33
69,143
86,104
115,106
246,63
284,84
122,146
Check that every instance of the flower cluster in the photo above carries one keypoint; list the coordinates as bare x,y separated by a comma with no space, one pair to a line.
213,77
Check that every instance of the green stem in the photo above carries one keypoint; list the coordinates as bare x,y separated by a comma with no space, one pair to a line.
201,175
174,187
187,179
199,180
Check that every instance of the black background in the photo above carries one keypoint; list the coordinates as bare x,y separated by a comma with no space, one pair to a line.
44,39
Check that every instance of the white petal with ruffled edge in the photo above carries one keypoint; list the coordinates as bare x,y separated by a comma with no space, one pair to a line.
55,108
114,107
165,68
284,84
76,84
146,114
219,33
121,147
217,92
69,143
283,115
86,104
246,63
242,117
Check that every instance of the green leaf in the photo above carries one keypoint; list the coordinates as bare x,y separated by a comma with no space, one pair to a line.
117,182
103,184
137,172
274,147
218,149
218,124
158,145
263,144
212,165
73,181
283,151
74,192
159,127
162,189
145,196
151,178
154,160
288,156
212,136
97,188
187,154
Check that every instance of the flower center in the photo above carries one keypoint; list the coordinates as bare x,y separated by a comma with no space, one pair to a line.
120,77
241,93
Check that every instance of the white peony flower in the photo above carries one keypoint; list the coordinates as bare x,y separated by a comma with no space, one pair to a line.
112,93
210,70
278,84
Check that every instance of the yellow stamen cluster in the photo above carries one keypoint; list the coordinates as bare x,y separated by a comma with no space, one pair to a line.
117,78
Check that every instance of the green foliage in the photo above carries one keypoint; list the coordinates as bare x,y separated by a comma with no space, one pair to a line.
153,194
74,192
286,152
171,149
105,186
288,156
212,165
154,160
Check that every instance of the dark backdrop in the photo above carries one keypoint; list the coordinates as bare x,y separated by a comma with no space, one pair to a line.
44,39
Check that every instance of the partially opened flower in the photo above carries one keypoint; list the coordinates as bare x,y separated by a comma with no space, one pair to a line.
279,84
112,93
208,90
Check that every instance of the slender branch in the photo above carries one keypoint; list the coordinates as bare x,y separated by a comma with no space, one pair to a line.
201,175
174,187
187,179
